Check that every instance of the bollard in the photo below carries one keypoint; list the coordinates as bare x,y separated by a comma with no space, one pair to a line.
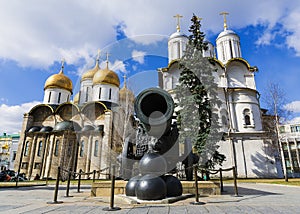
68,183
196,202
56,189
221,180
79,179
94,175
236,194
112,193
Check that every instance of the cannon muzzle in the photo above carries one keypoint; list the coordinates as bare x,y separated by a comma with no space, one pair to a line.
154,108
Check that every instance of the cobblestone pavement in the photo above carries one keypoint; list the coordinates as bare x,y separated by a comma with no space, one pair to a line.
254,198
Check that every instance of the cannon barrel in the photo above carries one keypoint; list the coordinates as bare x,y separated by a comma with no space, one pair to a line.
154,108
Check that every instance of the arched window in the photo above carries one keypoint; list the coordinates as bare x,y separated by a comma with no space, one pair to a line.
224,121
26,150
247,120
39,151
96,146
81,149
56,149
247,117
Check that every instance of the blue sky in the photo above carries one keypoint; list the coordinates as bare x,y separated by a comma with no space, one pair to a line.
35,36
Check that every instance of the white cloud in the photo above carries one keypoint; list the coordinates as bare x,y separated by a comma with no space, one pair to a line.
11,117
36,33
295,120
138,56
117,66
293,106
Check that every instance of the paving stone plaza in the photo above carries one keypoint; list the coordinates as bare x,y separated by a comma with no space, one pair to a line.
254,198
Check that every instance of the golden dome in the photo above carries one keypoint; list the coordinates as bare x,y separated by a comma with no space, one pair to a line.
76,99
59,81
106,76
126,93
90,73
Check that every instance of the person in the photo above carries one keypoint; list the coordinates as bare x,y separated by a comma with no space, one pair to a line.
37,177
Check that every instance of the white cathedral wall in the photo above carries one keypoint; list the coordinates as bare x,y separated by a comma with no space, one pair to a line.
252,159
86,91
228,47
51,96
105,94
176,47
243,101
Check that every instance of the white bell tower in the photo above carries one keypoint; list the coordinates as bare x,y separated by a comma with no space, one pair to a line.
228,43
177,42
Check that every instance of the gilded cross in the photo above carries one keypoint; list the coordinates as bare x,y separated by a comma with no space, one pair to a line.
62,63
125,77
199,19
107,55
98,56
178,17
224,14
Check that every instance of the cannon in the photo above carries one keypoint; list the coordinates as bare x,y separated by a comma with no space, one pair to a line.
154,108
157,146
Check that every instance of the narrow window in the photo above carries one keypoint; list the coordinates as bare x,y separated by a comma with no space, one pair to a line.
49,98
68,98
96,146
247,120
14,155
109,95
230,47
39,151
59,95
87,94
26,148
81,149
99,93
178,49
56,148
224,121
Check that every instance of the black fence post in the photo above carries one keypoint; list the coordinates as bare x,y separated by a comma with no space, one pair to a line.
56,189
94,175
112,192
235,182
196,187
68,183
79,179
221,180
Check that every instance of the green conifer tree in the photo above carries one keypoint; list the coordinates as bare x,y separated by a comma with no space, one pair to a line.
197,96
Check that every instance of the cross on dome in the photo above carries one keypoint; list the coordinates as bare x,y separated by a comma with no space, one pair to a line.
62,64
224,14
107,55
178,17
98,55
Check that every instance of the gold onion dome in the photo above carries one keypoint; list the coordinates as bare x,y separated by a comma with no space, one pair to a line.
59,81
90,73
106,76
125,93
76,99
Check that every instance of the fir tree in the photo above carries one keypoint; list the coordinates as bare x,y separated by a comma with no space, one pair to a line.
196,96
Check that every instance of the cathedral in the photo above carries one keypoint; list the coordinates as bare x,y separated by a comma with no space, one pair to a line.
80,134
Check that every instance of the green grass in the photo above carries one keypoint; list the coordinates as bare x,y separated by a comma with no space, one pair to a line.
291,181
43,182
